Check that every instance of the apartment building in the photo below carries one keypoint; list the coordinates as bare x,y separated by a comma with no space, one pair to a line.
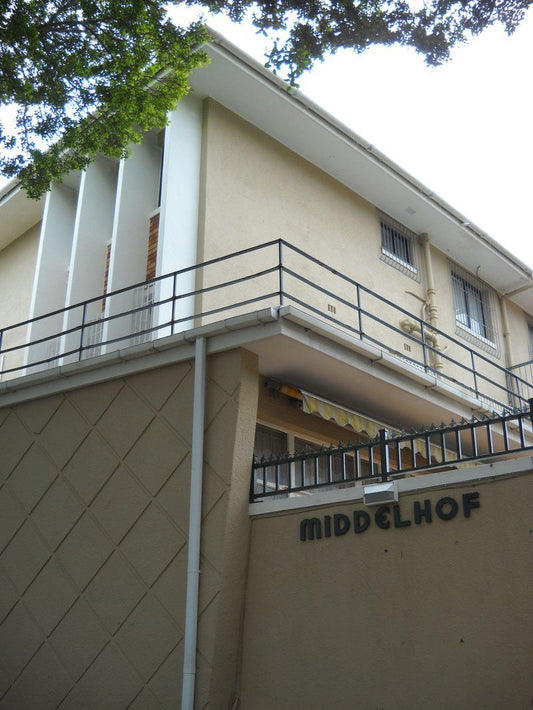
265,425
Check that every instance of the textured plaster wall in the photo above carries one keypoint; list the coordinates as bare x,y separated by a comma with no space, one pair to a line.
254,190
93,548
427,616
17,266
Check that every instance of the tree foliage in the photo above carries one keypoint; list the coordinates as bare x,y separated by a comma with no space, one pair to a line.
90,76
312,28
87,77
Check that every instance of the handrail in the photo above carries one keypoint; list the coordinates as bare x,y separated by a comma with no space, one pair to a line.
62,335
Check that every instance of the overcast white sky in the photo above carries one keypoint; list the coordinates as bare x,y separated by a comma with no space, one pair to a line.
464,129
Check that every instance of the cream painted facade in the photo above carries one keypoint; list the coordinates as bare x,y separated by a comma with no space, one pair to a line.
183,301
429,615
17,268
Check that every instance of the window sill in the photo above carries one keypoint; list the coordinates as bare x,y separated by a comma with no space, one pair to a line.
404,264
472,336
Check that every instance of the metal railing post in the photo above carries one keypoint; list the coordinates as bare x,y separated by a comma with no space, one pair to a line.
280,270
82,332
359,316
424,346
173,317
384,454
474,375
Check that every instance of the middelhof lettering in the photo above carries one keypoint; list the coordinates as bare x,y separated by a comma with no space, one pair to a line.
387,517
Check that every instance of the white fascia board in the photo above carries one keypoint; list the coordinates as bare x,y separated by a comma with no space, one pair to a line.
245,87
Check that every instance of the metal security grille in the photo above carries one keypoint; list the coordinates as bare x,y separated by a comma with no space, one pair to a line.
92,337
142,315
396,244
474,310
399,247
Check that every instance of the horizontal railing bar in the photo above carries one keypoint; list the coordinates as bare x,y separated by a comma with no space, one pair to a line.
515,387
156,279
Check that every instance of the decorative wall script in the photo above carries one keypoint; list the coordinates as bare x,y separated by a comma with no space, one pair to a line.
387,517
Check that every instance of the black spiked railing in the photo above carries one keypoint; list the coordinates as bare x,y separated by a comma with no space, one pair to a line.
389,456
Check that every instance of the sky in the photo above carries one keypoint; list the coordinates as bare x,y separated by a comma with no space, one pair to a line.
464,129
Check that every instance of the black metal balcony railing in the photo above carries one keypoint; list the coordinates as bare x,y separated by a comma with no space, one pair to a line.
385,458
269,275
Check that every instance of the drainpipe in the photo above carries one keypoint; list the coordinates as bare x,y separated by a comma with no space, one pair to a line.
195,524
506,331
432,300
511,381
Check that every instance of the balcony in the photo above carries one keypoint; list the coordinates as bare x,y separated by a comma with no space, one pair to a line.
271,275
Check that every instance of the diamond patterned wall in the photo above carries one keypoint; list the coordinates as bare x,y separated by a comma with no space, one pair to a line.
94,488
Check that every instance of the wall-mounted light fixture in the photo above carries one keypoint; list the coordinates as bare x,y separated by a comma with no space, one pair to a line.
380,493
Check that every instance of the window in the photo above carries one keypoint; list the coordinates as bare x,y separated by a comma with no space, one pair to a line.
399,247
530,334
474,311
271,443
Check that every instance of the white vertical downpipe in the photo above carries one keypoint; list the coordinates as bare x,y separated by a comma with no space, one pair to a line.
195,526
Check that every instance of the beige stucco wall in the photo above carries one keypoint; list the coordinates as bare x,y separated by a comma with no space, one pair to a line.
255,190
17,269
427,616
519,342
94,522
489,362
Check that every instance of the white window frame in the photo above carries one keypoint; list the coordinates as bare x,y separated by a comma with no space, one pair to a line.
291,447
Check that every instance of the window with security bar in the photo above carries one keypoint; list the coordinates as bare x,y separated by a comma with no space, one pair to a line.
399,247
475,316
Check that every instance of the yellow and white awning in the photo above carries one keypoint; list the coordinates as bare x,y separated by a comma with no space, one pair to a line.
362,425
343,417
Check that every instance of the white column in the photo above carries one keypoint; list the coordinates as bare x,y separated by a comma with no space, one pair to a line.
92,234
180,194
136,198
51,273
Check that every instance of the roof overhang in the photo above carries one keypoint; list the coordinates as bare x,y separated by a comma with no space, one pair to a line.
17,213
246,88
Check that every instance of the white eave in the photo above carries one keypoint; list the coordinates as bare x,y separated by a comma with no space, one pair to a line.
17,213
245,87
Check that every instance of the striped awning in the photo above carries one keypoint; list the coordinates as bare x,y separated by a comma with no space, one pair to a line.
362,425
339,415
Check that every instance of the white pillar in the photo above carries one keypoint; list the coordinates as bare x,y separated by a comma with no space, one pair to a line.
92,234
136,199
51,273
180,195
